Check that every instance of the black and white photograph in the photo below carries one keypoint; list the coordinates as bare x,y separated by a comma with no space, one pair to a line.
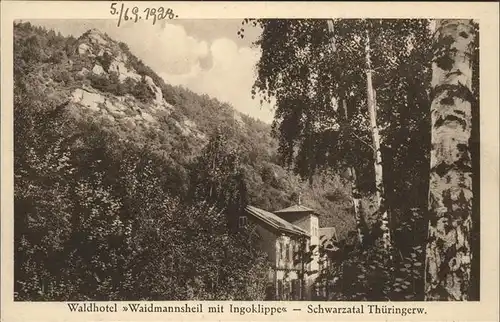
158,158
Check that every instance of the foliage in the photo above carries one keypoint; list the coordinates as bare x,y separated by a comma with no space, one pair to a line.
216,176
366,272
112,84
310,80
105,84
98,217
316,75
96,185
105,60
96,220
257,149
141,91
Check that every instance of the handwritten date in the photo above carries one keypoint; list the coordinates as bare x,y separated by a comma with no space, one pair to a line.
134,14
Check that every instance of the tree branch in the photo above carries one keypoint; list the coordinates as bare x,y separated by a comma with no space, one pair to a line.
362,141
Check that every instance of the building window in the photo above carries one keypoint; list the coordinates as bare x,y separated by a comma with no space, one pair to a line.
314,231
296,289
295,255
242,221
280,290
286,290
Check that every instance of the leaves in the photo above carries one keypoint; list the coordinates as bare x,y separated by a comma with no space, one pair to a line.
367,272
98,217
318,81
110,234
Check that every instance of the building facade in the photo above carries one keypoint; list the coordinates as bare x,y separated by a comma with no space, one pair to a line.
328,240
307,219
290,237
281,241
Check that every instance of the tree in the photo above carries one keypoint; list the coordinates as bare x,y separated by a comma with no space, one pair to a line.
93,198
300,69
449,253
351,171
217,180
142,91
216,176
327,110
309,75
379,178
303,255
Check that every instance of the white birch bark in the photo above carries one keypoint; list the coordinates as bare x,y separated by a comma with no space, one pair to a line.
380,197
448,252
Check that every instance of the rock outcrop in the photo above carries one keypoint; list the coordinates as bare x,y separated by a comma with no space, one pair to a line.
103,58
95,44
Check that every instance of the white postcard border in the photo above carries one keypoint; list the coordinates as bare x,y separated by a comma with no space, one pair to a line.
486,13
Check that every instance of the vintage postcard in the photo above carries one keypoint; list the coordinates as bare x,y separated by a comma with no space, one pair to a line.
249,161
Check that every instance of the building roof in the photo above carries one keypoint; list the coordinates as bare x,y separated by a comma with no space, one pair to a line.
295,209
327,238
328,233
275,221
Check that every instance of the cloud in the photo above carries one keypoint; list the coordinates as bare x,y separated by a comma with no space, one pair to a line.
164,48
220,68
229,79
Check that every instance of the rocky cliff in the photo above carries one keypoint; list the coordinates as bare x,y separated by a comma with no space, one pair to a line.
105,62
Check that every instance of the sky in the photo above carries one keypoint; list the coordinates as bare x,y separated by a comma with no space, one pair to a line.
206,56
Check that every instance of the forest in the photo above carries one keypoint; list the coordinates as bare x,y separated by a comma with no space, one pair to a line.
376,126
396,103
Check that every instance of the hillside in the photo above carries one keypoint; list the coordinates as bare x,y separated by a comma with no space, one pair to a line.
98,80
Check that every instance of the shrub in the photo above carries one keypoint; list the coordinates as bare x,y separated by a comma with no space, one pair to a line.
105,60
109,84
142,92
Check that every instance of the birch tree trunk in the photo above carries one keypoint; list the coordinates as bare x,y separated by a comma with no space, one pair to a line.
380,197
356,203
448,251
352,171
355,196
